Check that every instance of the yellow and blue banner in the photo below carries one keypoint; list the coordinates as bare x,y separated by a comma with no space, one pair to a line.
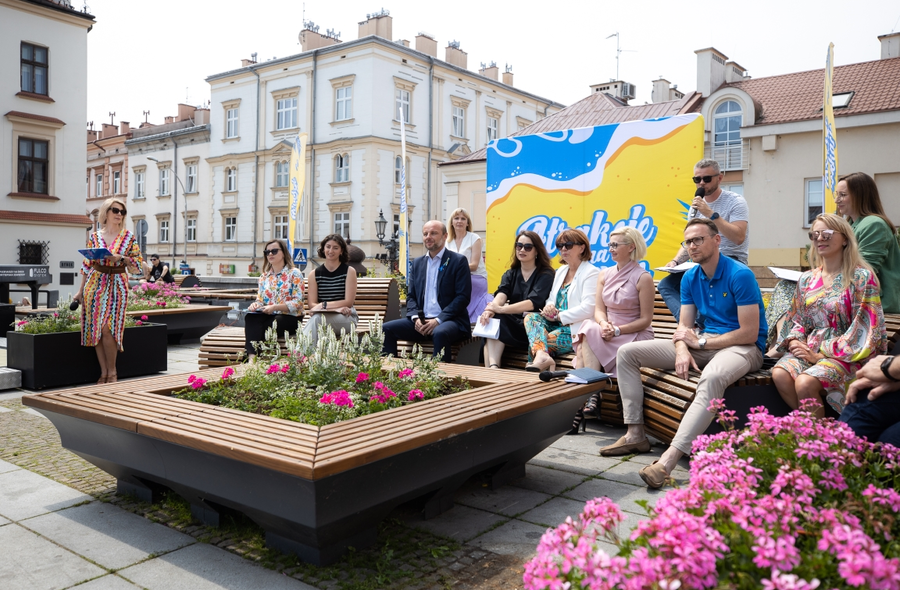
597,179
297,180
829,137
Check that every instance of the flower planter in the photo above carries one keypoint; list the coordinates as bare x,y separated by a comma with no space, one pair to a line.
59,359
314,490
187,323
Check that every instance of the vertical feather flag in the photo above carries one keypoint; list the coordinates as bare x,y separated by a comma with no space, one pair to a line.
403,237
829,138
298,179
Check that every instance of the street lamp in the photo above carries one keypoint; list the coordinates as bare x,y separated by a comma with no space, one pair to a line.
392,246
175,221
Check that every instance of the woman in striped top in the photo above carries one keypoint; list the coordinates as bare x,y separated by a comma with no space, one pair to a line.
332,290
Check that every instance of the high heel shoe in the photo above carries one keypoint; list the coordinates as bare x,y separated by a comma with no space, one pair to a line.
590,408
102,380
112,378
578,422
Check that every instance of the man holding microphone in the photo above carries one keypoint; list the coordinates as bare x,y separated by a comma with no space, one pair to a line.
727,210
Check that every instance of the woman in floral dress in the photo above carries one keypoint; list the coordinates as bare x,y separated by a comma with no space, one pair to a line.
836,319
280,297
104,287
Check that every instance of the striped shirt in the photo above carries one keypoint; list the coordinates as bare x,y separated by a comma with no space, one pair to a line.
331,286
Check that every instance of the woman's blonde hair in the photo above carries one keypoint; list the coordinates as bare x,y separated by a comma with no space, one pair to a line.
452,233
104,210
851,257
288,258
632,236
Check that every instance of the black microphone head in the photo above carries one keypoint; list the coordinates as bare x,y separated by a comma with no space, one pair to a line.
74,305
700,192
546,375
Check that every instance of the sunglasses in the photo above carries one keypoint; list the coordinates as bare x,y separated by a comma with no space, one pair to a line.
823,235
706,179
565,245
693,242
526,247
118,211
273,251
154,260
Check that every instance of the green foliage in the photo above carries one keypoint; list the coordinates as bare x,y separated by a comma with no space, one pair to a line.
61,320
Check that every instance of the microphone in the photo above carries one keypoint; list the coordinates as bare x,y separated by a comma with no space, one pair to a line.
422,315
548,375
700,192
74,305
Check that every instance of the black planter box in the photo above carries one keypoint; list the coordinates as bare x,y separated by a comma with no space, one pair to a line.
188,323
59,359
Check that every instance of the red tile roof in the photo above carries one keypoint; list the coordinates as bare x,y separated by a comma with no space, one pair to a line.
798,96
45,217
597,109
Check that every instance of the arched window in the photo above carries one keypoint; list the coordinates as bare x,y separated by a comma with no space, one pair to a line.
230,180
342,168
727,147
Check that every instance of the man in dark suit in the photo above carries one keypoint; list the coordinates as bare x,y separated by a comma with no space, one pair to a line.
438,292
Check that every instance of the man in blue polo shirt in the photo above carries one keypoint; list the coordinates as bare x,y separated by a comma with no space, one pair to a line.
724,294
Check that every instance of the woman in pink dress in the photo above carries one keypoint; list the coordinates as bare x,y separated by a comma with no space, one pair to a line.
622,314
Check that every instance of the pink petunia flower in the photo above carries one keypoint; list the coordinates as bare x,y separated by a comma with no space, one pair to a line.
198,383
362,377
415,394
227,373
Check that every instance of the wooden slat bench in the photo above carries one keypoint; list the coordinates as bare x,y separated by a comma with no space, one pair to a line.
374,297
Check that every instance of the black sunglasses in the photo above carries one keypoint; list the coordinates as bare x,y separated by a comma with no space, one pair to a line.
118,211
526,247
272,251
154,260
706,179
565,245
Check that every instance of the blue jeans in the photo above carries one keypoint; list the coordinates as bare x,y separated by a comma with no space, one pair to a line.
670,289
877,420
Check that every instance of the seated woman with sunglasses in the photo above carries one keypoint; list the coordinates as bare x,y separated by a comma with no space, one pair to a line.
523,288
279,299
570,303
836,321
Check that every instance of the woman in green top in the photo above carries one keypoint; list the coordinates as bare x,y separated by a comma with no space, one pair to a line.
857,199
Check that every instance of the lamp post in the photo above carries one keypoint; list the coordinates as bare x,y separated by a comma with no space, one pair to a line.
392,246
175,210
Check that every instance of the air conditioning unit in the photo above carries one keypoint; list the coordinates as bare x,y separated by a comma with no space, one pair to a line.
628,91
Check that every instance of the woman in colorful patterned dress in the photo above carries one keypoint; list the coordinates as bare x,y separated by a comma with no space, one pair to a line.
280,297
104,287
836,319
571,302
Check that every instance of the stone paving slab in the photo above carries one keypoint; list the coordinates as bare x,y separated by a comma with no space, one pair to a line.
3,521
460,523
34,412
107,535
621,493
24,494
507,500
546,480
4,409
30,562
515,538
204,567
108,582
4,467
554,512
583,463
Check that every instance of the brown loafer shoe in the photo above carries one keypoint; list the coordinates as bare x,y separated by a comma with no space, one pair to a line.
620,447
654,475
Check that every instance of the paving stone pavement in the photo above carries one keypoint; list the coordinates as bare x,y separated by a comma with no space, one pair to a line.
62,525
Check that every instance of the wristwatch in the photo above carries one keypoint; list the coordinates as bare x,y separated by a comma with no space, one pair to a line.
617,331
886,367
702,343
324,305
714,216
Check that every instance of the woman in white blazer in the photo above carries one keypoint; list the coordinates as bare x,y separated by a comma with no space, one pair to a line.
571,302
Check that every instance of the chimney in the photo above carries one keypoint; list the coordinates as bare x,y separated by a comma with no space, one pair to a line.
91,135
491,71
508,77
185,112
660,92
169,120
311,38
201,117
734,72
124,127
403,42
247,62
426,44
377,23
710,70
109,131
456,56
890,45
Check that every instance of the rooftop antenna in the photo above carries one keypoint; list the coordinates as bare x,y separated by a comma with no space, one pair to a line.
146,114
111,116
619,51
91,125
186,95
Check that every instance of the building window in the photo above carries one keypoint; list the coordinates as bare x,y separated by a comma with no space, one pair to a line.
191,186
31,252
117,182
342,223
815,200
396,233
35,62
343,103
231,123
342,168
163,231
398,162
493,126
230,180
401,104
459,122
34,165
138,185
286,113
163,182
230,229
98,186
727,147
282,174
191,229
280,226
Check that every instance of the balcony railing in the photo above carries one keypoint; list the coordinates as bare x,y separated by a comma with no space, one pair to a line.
731,157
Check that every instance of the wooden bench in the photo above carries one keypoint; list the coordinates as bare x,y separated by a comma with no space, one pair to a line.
374,297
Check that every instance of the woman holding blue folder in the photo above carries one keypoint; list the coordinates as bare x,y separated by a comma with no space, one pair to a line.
104,287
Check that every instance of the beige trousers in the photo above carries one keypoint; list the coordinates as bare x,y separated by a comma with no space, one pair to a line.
333,321
720,368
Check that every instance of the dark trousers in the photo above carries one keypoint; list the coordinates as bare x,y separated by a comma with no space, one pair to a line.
877,420
256,324
405,329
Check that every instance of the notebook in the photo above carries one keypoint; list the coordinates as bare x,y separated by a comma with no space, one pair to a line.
95,253
490,330
585,375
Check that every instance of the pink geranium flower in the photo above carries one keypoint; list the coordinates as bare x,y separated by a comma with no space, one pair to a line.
415,394
407,373
227,373
144,317
362,377
337,398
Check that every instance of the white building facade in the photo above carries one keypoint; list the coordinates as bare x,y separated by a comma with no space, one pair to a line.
43,102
